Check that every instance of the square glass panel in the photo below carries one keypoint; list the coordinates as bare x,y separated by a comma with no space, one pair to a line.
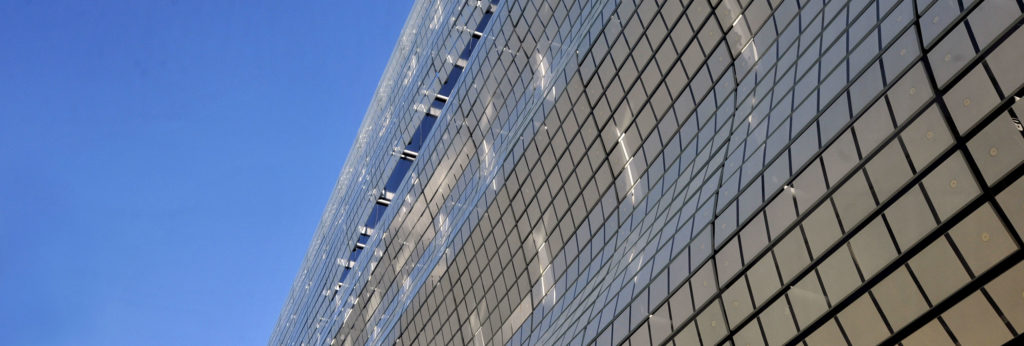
809,186
688,336
950,55
927,137
700,247
853,200
873,126
910,218
728,260
1011,201
791,254
866,87
932,334
777,171
970,99
681,305
902,53
780,213
938,270
753,238
712,323
950,186
909,93
660,324
888,170
873,247
997,149
839,274
940,15
833,120
821,228
807,300
827,335
802,148
840,157
862,322
990,18
679,267
764,280
737,301
1007,291
1006,60
749,335
750,200
973,322
982,239
899,298
704,285
778,322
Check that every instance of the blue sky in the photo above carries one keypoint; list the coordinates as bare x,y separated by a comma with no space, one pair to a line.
163,164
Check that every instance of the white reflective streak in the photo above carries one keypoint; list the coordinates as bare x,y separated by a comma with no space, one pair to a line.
629,171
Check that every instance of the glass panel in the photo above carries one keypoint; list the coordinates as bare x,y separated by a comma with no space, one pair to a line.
867,86
902,53
703,282
809,186
688,336
839,274
990,18
973,322
909,93
873,126
660,324
712,323
1011,201
1008,293
982,239
929,335
641,336
937,18
938,270
681,305
862,322
1006,60
764,280
970,99
807,300
951,54
737,301
899,298
753,238
780,213
821,228
910,218
950,186
927,137
827,335
840,157
749,335
997,149
791,254
728,260
872,247
853,200
778,322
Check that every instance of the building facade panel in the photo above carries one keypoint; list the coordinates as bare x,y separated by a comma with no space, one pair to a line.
681,171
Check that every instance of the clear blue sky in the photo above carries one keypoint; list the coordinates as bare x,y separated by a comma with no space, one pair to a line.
163,164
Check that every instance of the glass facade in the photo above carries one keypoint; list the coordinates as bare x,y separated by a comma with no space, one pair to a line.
688,172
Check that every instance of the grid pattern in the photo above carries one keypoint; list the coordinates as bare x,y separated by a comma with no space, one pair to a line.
742,172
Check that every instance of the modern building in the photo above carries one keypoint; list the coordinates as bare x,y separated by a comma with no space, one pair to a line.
696,172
